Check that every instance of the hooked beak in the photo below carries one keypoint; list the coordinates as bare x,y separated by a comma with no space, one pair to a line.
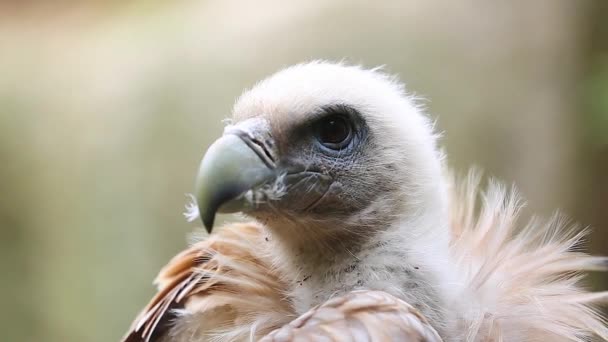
233,165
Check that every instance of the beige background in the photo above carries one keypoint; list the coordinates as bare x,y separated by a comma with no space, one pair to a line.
106,108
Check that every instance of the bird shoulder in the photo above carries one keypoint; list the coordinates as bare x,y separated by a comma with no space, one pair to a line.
223,286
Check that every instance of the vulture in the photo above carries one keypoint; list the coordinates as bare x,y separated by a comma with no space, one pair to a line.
358,231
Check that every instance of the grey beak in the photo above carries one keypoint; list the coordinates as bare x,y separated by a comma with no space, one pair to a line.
228,170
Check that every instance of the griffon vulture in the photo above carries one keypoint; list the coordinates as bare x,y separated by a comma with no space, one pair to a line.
359,233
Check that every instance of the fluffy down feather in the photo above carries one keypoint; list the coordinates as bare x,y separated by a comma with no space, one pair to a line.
521,283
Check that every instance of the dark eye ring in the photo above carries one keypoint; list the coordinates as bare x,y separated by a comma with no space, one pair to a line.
334,132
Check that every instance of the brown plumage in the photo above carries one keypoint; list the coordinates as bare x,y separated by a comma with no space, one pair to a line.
225,279
363,240
358,316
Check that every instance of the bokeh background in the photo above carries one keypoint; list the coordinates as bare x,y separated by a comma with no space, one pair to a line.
107,106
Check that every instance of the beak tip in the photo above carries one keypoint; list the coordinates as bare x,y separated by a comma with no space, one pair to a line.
208,220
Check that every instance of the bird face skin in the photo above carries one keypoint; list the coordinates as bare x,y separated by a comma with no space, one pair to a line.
305,176
303,150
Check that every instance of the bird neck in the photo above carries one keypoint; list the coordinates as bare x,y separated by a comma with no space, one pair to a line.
407,258
386,225
319,249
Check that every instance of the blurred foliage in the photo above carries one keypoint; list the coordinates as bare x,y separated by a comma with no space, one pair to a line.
106,108
598,103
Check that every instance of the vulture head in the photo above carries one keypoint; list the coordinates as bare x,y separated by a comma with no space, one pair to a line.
322,149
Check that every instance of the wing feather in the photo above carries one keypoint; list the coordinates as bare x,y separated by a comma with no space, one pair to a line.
358,316
224,283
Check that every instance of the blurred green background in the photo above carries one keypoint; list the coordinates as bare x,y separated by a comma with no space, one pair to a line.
107,106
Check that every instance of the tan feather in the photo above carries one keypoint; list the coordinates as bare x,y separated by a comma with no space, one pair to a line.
224,284
520,284
358,316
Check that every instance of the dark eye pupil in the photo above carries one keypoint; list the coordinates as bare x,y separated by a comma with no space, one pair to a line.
334,130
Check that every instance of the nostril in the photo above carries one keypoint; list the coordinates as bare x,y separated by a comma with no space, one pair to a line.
264,147
256,134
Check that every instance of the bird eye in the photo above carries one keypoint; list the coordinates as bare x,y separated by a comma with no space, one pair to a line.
334,132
